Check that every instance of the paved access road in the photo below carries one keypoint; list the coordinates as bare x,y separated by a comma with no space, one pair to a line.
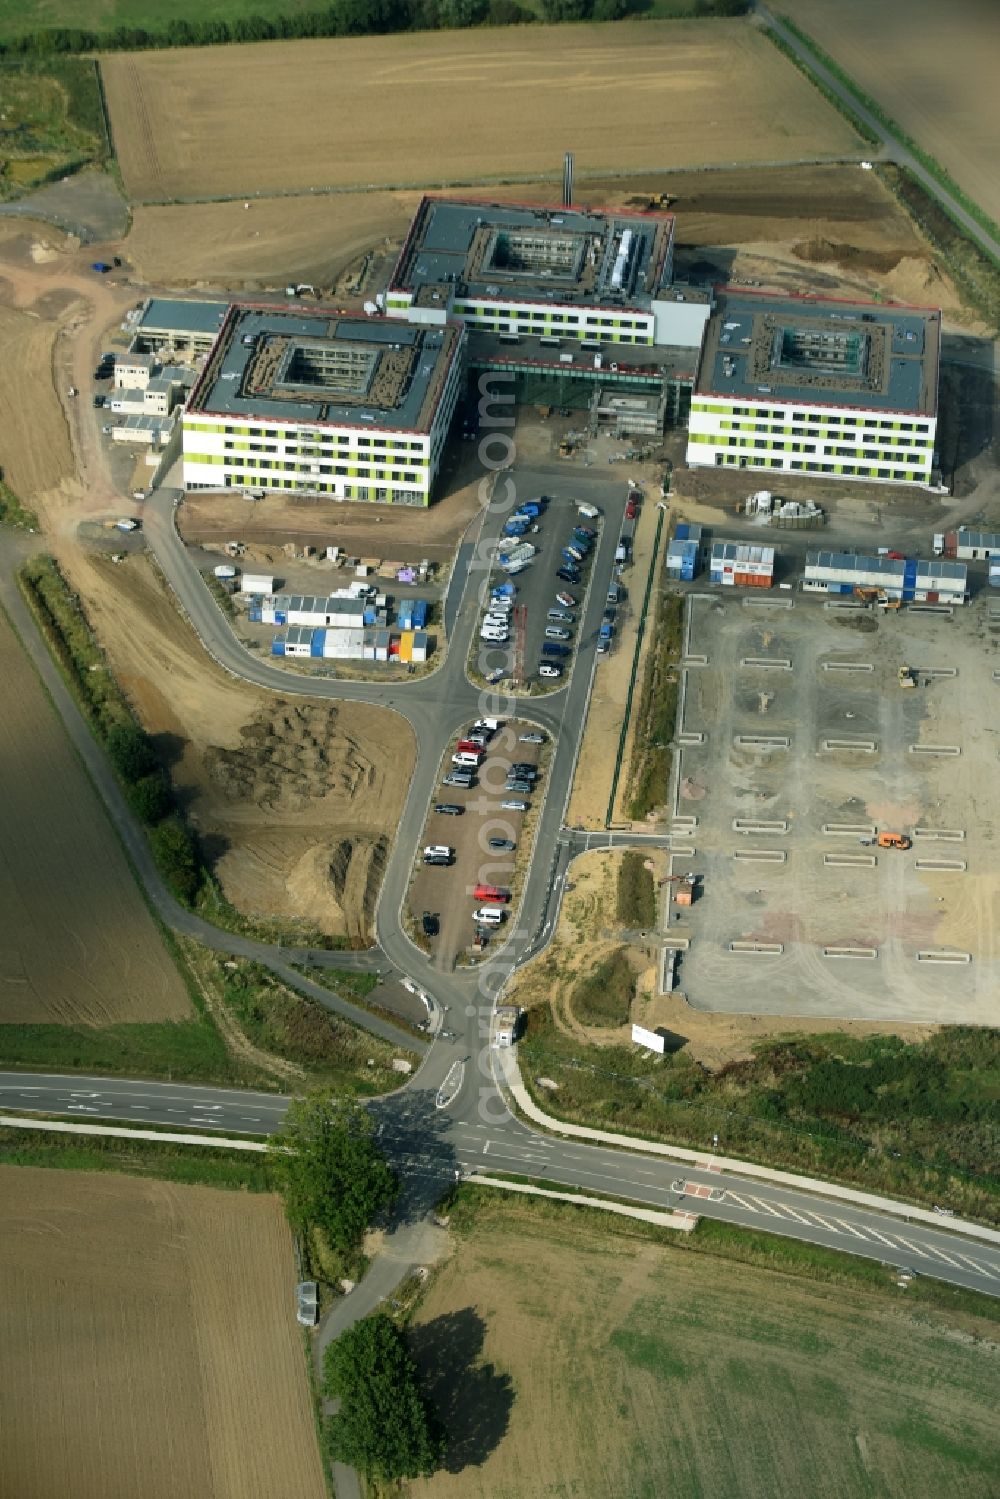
475,1130
427,1145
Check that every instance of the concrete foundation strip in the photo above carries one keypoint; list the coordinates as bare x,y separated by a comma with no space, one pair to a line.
850,861
772,603
690,737
843,604
767,663
694,660
939,955
668,970
945,835
996,676
687,823
938,671
941,866
947,609
679,944
850,952
761,855
849,829
762,741
757,825
935,749
686,853
852,746
758,949
848,666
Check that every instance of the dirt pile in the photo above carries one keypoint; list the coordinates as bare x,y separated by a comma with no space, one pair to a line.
821,251
290,757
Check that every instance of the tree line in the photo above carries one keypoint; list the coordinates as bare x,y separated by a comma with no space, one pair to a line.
346,18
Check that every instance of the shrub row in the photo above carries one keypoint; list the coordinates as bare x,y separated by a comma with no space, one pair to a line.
346,18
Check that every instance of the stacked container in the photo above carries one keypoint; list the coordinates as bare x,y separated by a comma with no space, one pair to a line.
736,565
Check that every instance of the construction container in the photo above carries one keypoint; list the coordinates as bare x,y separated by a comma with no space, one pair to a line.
684,894
420,646
734,564
682,560
969,546
406,647
994,576
909,580
257,583
419,613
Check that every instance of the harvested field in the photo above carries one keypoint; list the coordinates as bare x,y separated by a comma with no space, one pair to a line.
150,1342
932,68
77,943
295,801
570,1358
41,456
202,122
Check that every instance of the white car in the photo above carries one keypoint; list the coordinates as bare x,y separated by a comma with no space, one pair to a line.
545,670
488,915
488,725
494,637
556,632
498,621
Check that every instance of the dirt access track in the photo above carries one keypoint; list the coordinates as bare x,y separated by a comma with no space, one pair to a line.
377,111
150,1342
932,68
296,800
77,943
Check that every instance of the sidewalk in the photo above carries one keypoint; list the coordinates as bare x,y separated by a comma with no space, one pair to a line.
705,1161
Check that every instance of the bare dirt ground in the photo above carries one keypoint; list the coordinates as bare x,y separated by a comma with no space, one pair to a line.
77,944
568,1359
296,801
932,68
588,931
204,123
150,1342
360,530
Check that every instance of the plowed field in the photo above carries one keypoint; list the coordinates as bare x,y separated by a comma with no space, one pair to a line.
444,107
150,1343
76,940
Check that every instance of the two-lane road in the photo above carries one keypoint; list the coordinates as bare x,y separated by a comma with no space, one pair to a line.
430,1144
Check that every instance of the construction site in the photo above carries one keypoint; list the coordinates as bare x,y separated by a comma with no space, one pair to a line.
833,796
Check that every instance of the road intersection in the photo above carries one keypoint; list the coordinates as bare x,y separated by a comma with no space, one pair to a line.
475,1128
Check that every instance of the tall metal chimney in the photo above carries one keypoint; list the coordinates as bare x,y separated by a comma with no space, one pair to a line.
568,180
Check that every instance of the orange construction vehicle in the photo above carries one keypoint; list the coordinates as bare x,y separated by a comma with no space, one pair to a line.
894,840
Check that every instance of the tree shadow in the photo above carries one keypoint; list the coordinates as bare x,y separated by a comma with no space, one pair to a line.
169,748
473,1399
212,847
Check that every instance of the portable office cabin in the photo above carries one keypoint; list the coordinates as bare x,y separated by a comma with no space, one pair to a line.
419,652
734,564
682,560
910,580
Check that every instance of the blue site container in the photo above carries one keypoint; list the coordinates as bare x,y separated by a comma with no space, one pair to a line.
277,647
419,613
681,534
280,617
404,615
317,642
255,616
370,616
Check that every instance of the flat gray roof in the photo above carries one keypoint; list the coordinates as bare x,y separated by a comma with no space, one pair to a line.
510,251
821,353
318,367
891,567
167,315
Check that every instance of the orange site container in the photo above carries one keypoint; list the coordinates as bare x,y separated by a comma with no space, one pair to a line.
406,646
752,580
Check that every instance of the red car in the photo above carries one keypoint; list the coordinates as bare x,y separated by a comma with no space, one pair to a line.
631,510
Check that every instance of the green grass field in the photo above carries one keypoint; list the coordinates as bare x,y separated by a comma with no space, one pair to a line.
590,1358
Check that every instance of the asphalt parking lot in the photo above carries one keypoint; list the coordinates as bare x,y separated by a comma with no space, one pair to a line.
538,585
446,890
798,746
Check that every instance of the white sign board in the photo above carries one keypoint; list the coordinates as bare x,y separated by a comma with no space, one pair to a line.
649,1039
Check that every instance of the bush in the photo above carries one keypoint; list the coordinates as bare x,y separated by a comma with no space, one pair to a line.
176,855
149,798
130,750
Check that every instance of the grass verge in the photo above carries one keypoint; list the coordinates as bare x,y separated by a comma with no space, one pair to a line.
652,757
976,275
916,1121
13,513
473,1209
188,1165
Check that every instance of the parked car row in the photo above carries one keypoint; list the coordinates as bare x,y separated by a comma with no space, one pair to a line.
561,619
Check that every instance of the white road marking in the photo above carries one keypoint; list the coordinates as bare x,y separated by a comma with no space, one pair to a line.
975,1265
800,1216
486,1147
255,1118
850,1228
917,1248
942,1255
733,1197
765,1207
826,1224
874,1231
